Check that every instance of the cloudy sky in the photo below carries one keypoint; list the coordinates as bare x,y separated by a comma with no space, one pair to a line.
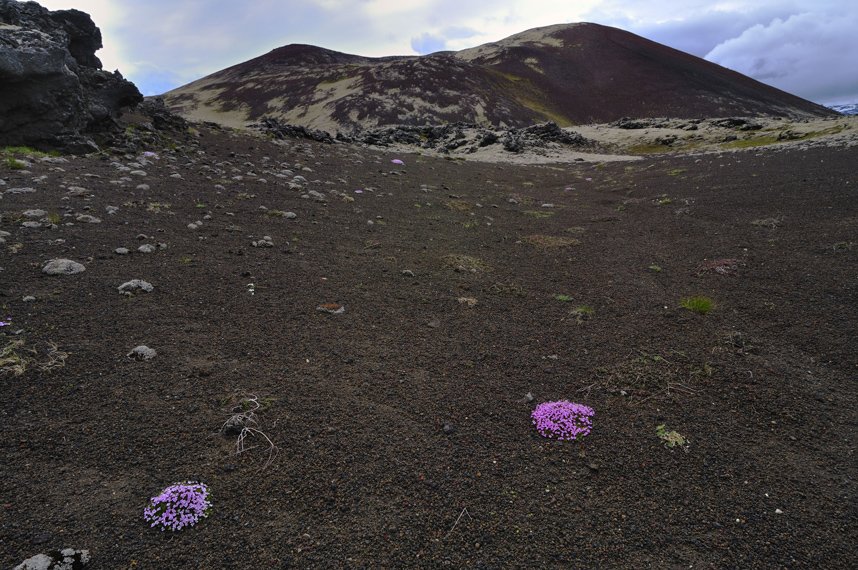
805,47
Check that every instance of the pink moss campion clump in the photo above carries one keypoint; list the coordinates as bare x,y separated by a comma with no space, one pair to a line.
563,419
179,505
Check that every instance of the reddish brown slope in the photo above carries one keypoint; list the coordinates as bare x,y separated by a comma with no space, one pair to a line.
601,74
570,73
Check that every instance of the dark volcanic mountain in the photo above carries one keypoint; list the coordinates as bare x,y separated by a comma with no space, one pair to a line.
568,73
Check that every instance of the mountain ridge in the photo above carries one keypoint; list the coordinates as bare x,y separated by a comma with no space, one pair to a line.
567,73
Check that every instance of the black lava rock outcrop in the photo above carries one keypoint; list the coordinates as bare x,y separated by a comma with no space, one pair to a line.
440,138
53,90
278,130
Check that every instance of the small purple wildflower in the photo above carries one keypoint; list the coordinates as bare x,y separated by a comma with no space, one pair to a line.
179,505
2,324
149,154
397,161
358,191
562,419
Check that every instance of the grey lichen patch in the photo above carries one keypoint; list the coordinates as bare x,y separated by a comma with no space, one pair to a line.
63,267
142,352
130,287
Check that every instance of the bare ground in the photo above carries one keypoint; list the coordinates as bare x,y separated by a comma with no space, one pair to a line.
465,293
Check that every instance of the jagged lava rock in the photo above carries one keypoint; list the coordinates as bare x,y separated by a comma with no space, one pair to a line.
53,91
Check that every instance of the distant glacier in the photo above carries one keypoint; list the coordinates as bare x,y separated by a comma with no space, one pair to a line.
850,109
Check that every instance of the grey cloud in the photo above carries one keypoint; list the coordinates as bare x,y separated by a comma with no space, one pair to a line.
811,55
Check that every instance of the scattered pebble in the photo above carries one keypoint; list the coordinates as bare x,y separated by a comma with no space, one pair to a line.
121,251
146,248
264,242
331,308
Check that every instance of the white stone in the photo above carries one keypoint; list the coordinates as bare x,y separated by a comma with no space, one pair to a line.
142,352
62,267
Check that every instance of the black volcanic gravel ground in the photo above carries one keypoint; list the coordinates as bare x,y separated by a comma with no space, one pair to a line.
763,387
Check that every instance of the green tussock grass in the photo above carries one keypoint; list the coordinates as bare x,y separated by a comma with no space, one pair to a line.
701,305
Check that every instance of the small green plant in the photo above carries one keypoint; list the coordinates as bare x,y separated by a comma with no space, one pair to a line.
563,298
581,313
698,304
671,438
655,268
676,171
537,214
13,164
54,217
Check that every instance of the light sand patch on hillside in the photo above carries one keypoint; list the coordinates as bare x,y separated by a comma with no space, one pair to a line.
203,106
538,36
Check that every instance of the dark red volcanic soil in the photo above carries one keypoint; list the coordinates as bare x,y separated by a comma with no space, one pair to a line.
599,75
763,387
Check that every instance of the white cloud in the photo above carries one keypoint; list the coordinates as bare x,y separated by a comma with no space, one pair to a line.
812,54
